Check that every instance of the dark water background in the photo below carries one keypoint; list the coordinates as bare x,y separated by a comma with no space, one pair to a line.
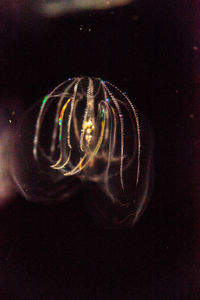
146,49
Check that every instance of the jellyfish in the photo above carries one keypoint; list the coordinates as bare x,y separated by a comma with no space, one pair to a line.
88,133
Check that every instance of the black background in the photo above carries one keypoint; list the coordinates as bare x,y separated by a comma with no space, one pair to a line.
48,252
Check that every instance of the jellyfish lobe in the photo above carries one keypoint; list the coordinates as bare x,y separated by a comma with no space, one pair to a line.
86,130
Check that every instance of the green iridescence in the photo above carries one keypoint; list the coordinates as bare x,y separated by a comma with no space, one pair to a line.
102,114
45,99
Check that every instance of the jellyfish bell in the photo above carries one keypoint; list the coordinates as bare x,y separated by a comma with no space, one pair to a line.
86,130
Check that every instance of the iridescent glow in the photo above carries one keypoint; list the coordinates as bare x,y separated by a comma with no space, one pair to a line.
60,121
45,99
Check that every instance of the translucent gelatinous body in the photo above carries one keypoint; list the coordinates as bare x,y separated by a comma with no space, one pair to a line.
55,8
88,130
